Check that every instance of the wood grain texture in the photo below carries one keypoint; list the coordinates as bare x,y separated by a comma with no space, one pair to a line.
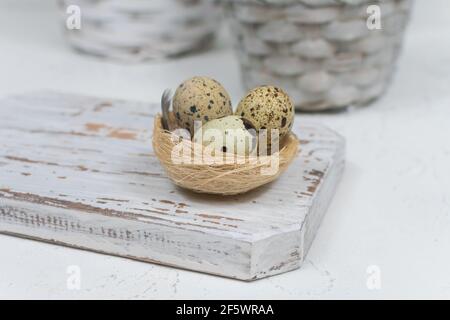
80,171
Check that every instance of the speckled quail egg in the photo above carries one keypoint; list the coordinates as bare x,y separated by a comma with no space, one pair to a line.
202,99
268,107
230,134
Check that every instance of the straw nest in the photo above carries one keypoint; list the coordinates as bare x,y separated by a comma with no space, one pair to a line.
228,178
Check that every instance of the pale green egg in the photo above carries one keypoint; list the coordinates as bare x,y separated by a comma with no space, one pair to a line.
230,134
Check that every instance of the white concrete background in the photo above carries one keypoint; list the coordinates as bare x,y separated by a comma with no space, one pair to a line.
392,209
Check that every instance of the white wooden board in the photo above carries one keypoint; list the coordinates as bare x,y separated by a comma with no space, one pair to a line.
80,171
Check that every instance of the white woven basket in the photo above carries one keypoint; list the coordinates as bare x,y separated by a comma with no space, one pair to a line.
137,30
320,51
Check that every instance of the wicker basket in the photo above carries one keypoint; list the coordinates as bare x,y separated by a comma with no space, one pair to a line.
320,51
138,30
221,179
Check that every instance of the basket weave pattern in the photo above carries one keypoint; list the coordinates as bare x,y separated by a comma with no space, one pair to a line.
221,179
137,30
320,51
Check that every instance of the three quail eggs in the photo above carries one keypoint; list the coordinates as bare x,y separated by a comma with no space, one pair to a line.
205,100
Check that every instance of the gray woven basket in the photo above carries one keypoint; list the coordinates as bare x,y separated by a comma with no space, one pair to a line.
137,30
320,51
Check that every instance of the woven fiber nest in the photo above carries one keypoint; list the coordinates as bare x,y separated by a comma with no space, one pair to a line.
242,175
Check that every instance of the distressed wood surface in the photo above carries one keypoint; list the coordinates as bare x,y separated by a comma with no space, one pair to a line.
80,171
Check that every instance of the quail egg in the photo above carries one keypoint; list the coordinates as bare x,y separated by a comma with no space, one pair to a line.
268,107
200,99
230,134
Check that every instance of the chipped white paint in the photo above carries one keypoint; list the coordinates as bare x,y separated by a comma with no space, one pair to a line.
80,171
